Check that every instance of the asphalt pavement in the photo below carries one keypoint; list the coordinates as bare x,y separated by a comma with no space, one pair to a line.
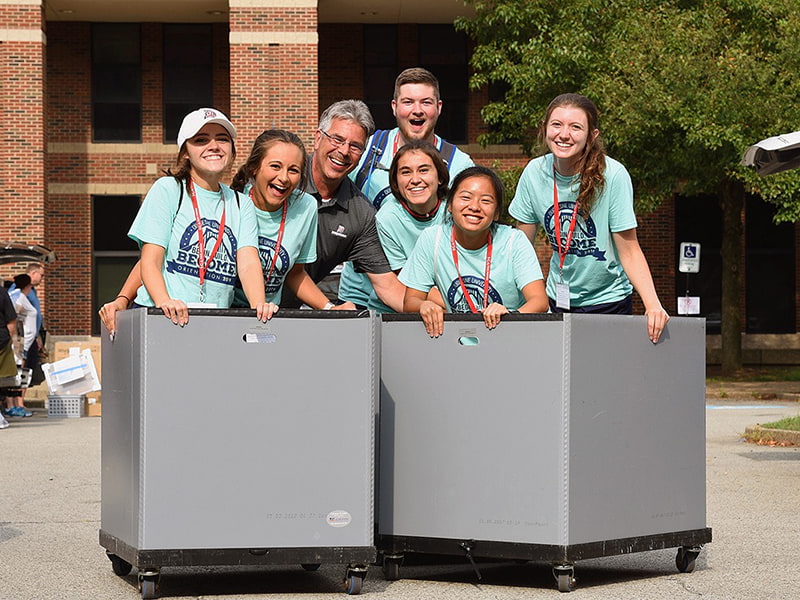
50,517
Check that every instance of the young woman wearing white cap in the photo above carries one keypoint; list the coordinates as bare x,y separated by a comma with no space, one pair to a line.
196,234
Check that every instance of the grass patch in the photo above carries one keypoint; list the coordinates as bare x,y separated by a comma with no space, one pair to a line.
768,373
789,423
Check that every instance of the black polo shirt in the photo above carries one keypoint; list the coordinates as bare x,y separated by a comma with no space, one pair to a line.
346,231
8,314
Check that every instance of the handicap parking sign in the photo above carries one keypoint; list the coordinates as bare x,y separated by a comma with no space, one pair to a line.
689,257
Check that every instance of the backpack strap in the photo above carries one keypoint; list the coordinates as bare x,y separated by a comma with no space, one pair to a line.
447,151
379,139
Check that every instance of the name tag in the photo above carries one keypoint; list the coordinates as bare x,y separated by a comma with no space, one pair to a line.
562,296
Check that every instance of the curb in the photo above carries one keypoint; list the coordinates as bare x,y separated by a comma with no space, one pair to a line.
778,436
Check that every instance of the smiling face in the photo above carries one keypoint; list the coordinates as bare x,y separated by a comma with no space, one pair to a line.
416,109
418,181
474,207
210,152
277,176
331,164
567,133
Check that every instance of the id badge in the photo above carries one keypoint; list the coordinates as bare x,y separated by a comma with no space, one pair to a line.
562,296
200,305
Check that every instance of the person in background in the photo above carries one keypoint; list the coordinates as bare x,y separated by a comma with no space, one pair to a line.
8,329
36,272
26,330
584,200
478,264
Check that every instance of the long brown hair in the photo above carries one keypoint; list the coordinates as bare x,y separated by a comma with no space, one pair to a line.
263,143
592,164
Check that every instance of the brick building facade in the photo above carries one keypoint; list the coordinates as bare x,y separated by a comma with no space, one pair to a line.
91,97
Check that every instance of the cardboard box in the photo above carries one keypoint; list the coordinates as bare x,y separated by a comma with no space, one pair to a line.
92,409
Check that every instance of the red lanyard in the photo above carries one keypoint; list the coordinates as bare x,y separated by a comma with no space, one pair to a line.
281,229
562,254
202,261
486,272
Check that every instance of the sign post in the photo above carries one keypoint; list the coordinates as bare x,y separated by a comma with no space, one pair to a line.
689,262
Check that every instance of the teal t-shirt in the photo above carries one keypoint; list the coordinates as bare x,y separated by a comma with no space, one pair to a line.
167,221
514,265
376,187
399,231
356,287
299,243
591,267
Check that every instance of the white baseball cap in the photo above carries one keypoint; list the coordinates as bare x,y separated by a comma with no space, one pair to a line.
194,121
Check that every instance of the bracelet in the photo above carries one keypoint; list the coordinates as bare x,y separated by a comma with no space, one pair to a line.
122,296
328,306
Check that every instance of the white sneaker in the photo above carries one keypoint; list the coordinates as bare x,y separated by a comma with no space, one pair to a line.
3,422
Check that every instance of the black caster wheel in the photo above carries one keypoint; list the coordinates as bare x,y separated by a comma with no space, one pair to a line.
565,577
310,566
148,585
119,566
391,567
685,559
354,581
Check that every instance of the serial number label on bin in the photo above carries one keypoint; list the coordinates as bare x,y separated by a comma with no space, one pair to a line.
293,516
260,338
339,518
512,523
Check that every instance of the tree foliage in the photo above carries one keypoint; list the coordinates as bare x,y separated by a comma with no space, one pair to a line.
683,86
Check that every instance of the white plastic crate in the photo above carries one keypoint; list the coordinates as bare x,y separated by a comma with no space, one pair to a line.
65,406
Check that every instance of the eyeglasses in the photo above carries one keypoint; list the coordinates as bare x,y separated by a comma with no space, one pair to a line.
338,141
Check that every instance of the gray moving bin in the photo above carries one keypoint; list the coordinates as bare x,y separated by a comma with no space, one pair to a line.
553,437
231,442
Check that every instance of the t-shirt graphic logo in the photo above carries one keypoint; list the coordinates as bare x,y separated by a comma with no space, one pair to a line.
339,232
266,250
584,238
455,295
221,268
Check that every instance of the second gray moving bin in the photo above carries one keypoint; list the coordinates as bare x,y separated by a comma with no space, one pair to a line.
553,437
230,442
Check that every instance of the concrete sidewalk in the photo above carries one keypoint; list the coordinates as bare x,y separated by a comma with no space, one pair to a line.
50,494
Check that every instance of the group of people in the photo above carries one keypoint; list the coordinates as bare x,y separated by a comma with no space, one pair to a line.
20,339
414,221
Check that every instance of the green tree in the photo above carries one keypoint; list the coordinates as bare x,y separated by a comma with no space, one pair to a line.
683,87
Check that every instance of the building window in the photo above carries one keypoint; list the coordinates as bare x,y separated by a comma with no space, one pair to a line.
380,71
699,219
188,74
114,253
769,270
769,263
443,51
116,82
